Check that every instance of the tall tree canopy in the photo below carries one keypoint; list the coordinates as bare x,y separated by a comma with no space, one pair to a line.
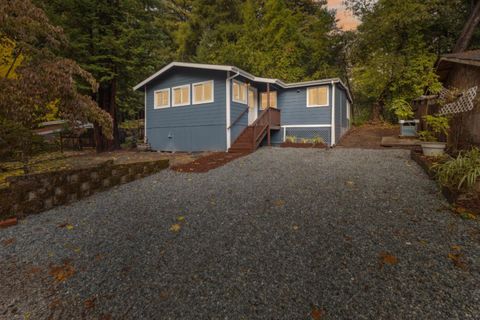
397,44
291,40
119,42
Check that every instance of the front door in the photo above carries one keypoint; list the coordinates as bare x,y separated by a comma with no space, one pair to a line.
252,105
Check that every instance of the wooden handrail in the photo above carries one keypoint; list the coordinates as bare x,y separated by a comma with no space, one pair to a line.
238,118
263,123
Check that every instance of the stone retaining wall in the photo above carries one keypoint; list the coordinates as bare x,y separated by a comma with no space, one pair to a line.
35,193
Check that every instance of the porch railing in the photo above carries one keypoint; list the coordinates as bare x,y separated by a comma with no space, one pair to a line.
269,117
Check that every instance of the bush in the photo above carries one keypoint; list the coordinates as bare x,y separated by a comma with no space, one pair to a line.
462,172
291,139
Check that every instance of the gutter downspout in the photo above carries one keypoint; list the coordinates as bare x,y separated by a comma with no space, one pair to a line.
228,106
332,136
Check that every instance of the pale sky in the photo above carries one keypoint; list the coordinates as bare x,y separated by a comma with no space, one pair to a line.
346,20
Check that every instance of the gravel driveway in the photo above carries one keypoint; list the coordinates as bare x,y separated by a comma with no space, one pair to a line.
279,234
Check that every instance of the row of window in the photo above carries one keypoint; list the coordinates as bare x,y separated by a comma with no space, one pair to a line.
202,93
241,90
316,96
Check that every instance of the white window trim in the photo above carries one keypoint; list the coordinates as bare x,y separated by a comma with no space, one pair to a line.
173,96
276,100
319,105
154,98
194,101
242,85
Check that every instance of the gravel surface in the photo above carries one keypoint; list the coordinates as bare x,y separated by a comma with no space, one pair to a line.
278,234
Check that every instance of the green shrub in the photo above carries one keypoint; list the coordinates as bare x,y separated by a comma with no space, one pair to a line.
402,109
437,125
462,172
291,139
318,140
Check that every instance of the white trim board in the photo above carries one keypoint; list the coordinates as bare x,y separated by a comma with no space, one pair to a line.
333,139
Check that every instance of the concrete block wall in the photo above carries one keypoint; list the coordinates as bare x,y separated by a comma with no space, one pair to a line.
35,193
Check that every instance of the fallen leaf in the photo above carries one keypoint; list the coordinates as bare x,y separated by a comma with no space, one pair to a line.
460,210
386,258
458,260
163,295
63,272
456,247
69,227
279,203
175,227
181,218
317,313
8,242
350,183
468,216
77,250
89,303
295,227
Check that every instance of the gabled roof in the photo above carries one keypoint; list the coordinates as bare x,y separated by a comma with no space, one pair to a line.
243,73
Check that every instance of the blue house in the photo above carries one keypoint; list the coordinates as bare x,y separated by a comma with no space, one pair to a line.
203,107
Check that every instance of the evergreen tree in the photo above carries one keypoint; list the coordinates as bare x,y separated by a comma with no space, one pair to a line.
119,42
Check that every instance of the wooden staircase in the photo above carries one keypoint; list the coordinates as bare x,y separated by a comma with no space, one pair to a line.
253,135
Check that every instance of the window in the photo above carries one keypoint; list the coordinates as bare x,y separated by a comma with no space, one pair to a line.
239,92
181,96
203,92
264,100
162,99
317,97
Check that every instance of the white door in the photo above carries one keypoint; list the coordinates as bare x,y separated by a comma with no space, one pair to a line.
252,105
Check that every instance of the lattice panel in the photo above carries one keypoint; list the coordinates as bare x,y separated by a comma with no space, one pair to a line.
463,104
309,133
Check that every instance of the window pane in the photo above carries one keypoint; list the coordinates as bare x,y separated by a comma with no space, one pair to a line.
236,91
198,92
264,100
323,96
273,99
177,96
157,98
185,96
207,91
318,96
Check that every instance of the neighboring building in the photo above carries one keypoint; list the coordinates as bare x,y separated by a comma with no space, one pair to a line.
201,107
462,71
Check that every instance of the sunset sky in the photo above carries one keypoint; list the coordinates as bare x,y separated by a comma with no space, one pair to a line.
346,20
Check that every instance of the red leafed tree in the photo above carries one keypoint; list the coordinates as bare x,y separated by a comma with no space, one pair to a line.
42,77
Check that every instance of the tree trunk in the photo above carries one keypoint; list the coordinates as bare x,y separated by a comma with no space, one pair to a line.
377,111
468,30
106,101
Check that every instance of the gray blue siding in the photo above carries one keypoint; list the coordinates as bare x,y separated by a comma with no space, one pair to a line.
294,111
200,127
